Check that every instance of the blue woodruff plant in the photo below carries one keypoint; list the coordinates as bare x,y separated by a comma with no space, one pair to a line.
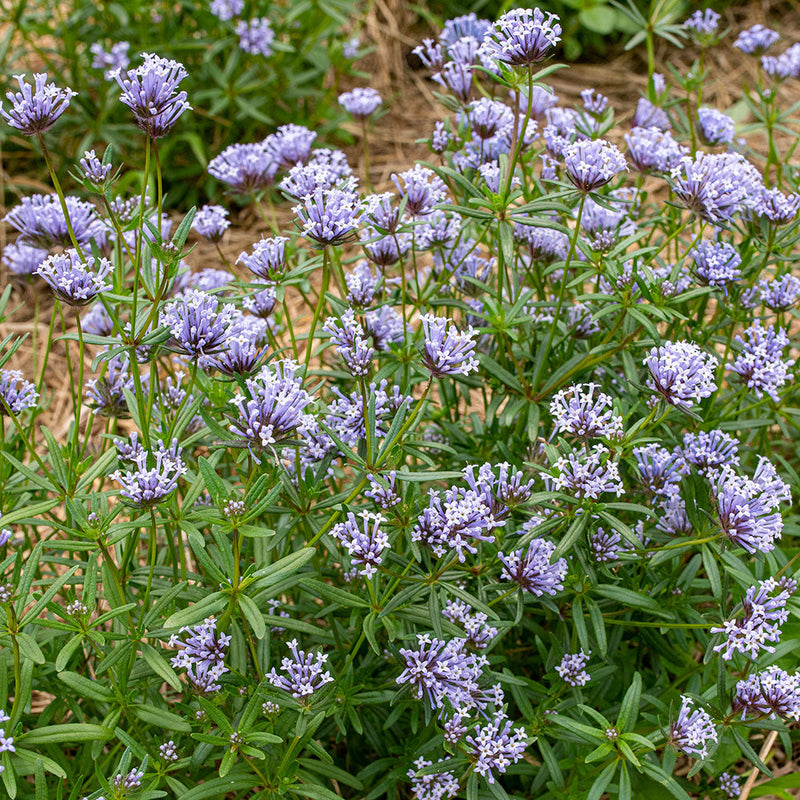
506,510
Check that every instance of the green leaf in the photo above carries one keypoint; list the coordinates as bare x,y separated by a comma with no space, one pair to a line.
628,597
161,718
160,666
85,687
74,732
629,710
254,617
334,594
599,19
199,611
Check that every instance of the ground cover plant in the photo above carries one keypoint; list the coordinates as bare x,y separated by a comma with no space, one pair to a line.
507,513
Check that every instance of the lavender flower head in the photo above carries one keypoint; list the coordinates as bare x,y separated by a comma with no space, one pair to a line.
479,633
716,264
16,393
93,169
351,343
363,539
583,411
202,655
768,694
455,522
715,127
73,280
780,294
572,668
226,10
748,508
496,745
778,208
709,451
754,41
22,259
681,373
605,546
256,36
532,570
422,188
330,217
146,486
592,163
273,408
448,351
434,785
443,671
760,362
361,102
261,303
112,60
716,186
692,730
305,673
211,222
588,473
267,259
703,25
763,612
522,37
198,322
385,495
654,150
41,222
151,92
290,145
729,784
362,284
36,107
246,168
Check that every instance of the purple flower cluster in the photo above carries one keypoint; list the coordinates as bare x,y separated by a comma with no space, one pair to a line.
305,673
533,570
360,103
572,668
585,412
588,473
760,363
716,264
715,127
198,322
364,540
211,221
202,655
273,407
763,612
681,373
495,746
75,281
748,508
151,92
36,107
522,37
147,486
592,163
771,693
41,222
351,343
716,186
443,672
479,634
246,168
16,394
692,730
448,351
256,36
